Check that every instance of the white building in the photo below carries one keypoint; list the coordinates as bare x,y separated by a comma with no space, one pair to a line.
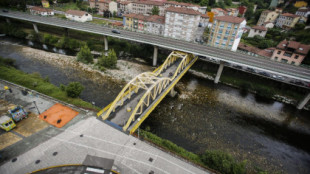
226,32
219,12
124,7
155,24
41,11
80,16
258,30
303,11
103,5
202,10
181,23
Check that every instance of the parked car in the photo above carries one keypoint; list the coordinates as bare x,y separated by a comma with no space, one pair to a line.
5,10
116,31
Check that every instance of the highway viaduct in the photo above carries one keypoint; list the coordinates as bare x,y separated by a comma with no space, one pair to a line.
222,55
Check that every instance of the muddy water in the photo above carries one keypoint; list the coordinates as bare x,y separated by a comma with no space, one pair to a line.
270,135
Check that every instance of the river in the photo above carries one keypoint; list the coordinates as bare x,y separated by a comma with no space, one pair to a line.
268,134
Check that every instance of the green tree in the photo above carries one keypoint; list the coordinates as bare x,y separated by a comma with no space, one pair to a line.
249,13
155,10
228,2
85,55
74,89
204,3
108,61
221,4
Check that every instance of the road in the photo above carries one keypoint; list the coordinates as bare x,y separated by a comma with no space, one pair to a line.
267,65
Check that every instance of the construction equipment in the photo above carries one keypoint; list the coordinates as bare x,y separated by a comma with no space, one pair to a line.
17,113
6,123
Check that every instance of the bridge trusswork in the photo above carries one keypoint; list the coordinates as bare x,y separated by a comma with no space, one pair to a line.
144,92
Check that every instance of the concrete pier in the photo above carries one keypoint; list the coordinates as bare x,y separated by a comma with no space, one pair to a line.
106,48
304,102
8,20
66,32
219,72
155,55
35,27
173,92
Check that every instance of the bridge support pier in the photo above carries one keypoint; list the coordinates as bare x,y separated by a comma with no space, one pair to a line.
219,72
304,102
173,92
155,55
105,45
35,27
8,20
66,32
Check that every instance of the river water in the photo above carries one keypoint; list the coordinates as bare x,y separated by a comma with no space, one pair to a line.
268,134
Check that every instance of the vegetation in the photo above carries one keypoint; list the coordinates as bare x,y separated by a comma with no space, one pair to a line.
74,89
108,61
36,82
12,30
85,55
155,10
259,42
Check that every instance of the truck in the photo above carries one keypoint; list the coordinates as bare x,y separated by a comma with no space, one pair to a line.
6,123
17,113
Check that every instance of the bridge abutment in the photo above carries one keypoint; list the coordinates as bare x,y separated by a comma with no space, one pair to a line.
219,72
173,92
106,48
35,27
8,20
155,55
304,101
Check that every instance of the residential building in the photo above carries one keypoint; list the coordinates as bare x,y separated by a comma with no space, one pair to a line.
258,31
290,52
80,16
303,11
145,7
155,24
254,51
204,20
287,20
103,5
45,4
41,11
232,12
299,4
124,7
219,12
242,10
202,10
181,23
267,16
226,32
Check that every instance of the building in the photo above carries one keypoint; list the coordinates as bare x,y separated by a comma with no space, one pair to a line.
219,12
250,50
181,23
290,52
267,16
232,12
145,7
80,16
299,4
268,24
45,4
258,31
204,20
275,3
226,32
242,10
103,5
287,21
124,7
303,11
155,24
202,10
41,11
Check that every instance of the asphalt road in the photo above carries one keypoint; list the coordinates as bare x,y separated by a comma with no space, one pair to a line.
291,71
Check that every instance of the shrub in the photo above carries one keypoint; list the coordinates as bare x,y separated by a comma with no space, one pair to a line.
74,89
108,61
223,162
85,55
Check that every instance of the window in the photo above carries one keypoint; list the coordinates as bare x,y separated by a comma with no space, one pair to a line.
279,52
276,58
287,54
296,56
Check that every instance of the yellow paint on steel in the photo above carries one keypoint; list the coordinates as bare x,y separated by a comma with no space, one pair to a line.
65,165
135,127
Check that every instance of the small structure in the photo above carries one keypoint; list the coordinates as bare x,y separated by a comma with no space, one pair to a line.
41,11
80,16
45,4
290,52
250,50
258,30
18,113
6,123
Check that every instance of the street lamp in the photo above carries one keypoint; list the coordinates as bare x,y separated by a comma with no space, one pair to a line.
34,102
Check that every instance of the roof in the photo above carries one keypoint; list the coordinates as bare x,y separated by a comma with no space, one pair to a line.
248,48
150,3
182,4
231,9
231,19
266,52
101,1
35,8
156,19
262,28
117,23
303,9
125,2
205,16
76,12
299,48
183,10
289,15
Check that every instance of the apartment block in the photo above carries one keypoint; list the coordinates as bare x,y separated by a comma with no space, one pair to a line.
124,7
202,10
290,52
226,32
303,11
287,21
103,5
138,22
145,7
268,16
181,23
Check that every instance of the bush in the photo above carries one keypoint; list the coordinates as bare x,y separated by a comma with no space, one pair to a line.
74,89
223,162
108,61
37,37
7,62
85,55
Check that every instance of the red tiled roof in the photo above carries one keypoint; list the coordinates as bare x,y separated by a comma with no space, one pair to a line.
150,3
101,1
299,48
266,52
182,4
303,9
205,16
35,8
156,19
230,19
183,10
76,12
289,15
117,24
125,2
248,48
262,28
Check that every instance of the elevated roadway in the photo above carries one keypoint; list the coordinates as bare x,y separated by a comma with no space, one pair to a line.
291,71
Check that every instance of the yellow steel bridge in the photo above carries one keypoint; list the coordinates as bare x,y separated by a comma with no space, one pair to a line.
144,92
